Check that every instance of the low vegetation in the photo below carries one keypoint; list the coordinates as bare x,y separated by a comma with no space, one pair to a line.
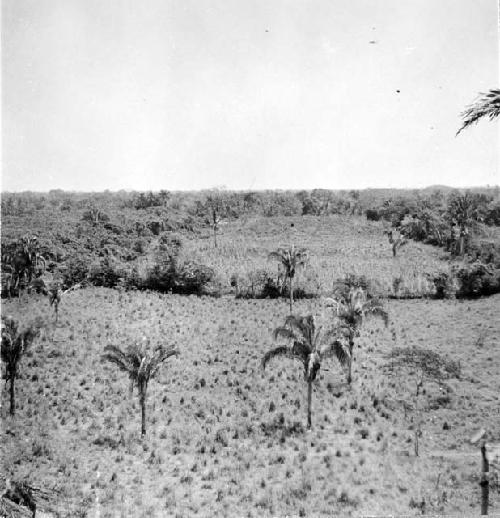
222,436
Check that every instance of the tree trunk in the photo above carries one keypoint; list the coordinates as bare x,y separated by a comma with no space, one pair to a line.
349,364
291,295
12,396
309,397
143,415
215,237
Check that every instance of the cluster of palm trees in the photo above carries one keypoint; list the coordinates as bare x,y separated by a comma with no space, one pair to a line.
309,344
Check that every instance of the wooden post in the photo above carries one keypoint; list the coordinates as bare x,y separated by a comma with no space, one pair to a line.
485,483
480,438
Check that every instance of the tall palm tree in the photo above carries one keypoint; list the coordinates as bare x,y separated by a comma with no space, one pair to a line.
14,344
307,346
291,260
487,105
141,365
351,312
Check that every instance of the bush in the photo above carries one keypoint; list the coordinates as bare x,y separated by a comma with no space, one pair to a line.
443,284
74,271
185,278
104,274
372,215
476,280
493,214
343,287
193,278
256,284
486,253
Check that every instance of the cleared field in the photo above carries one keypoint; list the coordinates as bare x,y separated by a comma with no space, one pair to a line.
338,245
226,439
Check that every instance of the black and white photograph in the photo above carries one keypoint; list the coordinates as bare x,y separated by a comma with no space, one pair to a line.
250,258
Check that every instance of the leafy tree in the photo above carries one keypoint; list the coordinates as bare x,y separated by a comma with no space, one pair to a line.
308,346
14,344
141,365
291,260
426,366
351,312
487,105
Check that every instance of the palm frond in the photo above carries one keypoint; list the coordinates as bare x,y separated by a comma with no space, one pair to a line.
282,350
284,332
337,350
374,308
487,105
160,356
277,255
114,354
304,325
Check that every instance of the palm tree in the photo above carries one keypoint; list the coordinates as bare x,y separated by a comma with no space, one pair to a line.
487,105
141,365
291,260
463,213
14,344
351,312
308,347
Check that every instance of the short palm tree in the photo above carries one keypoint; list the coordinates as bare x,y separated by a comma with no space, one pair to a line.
307,346
141,365
291,260
14,344
487,105
351,312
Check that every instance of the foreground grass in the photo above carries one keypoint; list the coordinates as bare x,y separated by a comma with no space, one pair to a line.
223,437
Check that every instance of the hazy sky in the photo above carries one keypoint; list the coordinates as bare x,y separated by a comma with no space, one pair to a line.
250,94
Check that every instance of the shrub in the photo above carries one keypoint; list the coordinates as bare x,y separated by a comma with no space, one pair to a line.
477,279
184,278
343,287
103,274
493,214
485,252
193,278
372,215
444,285
74,271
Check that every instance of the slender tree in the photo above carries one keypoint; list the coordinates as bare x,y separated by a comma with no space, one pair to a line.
291,259
396,240
141,365
351,312
216,206
14,344
309,346
487,105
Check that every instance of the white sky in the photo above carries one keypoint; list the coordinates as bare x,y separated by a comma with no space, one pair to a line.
250,94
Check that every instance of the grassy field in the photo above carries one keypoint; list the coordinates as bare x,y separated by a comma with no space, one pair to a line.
338,245
227,439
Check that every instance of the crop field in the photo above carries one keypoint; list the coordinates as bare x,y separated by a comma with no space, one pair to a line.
224,437
338,245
